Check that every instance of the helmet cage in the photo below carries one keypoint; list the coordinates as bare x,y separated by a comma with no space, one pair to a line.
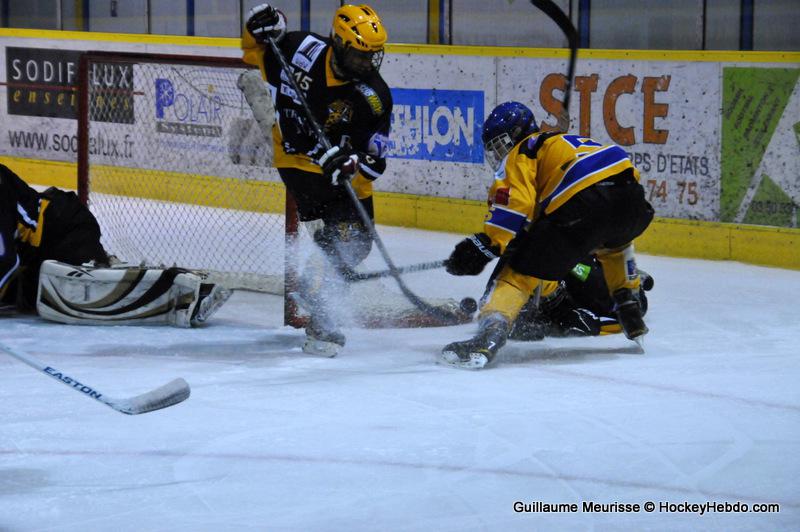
353,62
496,149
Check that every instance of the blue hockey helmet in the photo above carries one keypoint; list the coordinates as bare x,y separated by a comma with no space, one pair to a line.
508,123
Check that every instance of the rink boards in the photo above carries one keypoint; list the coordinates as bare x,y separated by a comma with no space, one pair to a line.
698,164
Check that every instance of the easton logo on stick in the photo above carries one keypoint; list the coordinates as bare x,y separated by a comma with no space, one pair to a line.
72,382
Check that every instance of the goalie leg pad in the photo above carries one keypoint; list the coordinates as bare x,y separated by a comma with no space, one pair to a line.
125,295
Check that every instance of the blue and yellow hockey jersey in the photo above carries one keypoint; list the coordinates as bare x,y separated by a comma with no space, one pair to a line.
543,172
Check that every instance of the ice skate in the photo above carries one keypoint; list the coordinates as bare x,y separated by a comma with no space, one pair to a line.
629,314
322,341
212,297
323,337
480,350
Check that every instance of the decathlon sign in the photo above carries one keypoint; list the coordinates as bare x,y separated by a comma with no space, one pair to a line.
438,125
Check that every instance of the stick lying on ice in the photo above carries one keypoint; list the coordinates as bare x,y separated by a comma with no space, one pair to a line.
169,394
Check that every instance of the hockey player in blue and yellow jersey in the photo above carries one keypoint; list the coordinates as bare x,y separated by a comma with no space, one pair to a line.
555,199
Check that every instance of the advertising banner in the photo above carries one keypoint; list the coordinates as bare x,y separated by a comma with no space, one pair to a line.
42,82
175,118
437,125
761,146
440,103
664,114
714,141
39,100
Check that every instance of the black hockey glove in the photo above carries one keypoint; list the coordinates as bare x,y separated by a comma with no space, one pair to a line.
265,21
471,255
339,164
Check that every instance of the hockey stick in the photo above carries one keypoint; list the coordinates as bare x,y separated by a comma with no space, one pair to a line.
411,268
169,394
445,316
554,12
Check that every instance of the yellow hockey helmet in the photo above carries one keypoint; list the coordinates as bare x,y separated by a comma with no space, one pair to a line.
358,38
359,27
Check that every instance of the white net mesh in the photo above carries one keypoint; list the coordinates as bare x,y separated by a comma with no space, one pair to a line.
180,173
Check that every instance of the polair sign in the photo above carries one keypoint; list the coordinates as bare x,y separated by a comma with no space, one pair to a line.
187,111
437,125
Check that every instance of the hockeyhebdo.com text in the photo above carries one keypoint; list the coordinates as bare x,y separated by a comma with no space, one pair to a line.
662,507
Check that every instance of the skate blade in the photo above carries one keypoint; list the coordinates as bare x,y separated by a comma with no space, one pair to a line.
475,361
640,342
312,346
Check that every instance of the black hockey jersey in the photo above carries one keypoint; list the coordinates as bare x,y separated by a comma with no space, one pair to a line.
21,222
356,111
37,226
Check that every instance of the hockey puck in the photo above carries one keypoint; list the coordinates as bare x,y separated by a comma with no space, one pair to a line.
468,305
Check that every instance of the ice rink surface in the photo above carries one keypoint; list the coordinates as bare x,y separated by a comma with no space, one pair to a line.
382,438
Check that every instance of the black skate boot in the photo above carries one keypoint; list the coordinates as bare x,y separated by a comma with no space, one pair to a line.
629,314
480,350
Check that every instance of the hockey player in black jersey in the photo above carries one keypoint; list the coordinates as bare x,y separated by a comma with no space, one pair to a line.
339,76
52,262
580,306
37,226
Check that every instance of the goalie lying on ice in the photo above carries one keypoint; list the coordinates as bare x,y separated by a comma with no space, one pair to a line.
46,237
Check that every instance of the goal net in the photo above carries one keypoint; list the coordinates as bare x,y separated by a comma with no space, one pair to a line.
177,170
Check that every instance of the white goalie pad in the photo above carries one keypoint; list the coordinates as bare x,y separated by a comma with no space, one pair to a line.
126,295
259,99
